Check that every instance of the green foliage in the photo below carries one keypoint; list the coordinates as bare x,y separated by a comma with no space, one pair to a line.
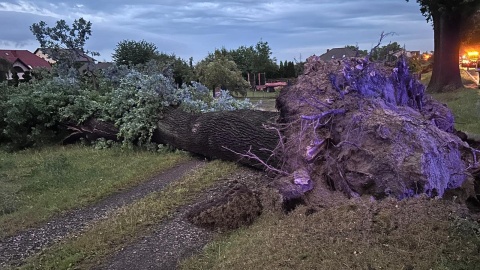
222,73
181,71
471,33
5,67
62,35
32,112
133,99
431,8
27,76
252,59
361,53
385,53
136,104
15,78
64,43
130,52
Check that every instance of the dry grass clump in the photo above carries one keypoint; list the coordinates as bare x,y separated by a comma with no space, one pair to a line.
418,233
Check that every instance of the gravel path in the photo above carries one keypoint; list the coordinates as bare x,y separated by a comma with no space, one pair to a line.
176,238
14,250
170,242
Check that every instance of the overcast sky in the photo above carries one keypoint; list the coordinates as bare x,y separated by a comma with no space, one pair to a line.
292,28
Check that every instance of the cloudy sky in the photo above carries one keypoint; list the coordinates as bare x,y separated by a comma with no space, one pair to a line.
292,28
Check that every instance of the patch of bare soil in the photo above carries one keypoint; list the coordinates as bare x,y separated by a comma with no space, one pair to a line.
15,249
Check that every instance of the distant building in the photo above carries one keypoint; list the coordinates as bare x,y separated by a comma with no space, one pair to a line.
338,53
46,53
22,61
409,54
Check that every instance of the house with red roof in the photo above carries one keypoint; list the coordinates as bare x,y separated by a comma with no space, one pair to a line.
23,60
47,53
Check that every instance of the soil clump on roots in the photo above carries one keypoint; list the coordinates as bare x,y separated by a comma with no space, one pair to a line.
361,128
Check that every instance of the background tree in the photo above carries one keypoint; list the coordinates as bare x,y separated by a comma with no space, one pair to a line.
289,69
385,53
223,73
244,58
15,78
262,61
357,49
27,76
130,52
281,70
471,31
181,71
448,18
5,67
65,43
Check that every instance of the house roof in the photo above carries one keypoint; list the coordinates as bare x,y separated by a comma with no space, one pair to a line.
26,57
338,53
81,57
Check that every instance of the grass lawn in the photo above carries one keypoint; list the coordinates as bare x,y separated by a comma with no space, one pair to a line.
354,234
36,184
129,222
259,94
464,103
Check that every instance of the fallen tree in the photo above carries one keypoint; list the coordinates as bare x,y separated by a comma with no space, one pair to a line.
350,126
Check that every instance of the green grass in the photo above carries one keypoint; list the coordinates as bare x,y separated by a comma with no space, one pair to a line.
37,184
129,222
259,94
465,105
355,234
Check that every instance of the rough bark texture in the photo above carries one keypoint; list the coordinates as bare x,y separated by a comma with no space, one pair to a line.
91,130
220,134
447,39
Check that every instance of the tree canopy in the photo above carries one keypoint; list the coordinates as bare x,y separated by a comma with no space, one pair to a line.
385,53
66,43
222,72
471,31
131,52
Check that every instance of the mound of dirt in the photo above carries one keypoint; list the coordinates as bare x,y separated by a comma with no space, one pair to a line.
365,129
238,206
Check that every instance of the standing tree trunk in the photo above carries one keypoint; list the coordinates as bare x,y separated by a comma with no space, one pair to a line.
447,38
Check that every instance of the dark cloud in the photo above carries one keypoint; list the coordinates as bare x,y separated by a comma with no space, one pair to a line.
194,28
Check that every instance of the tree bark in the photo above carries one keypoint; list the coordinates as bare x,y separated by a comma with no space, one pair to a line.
226,135
447,38
222,135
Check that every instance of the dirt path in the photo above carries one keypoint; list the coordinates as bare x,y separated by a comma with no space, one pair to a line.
171,241
177,238
13,250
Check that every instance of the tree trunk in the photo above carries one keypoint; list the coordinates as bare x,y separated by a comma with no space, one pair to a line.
227,135
447,37
222,135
